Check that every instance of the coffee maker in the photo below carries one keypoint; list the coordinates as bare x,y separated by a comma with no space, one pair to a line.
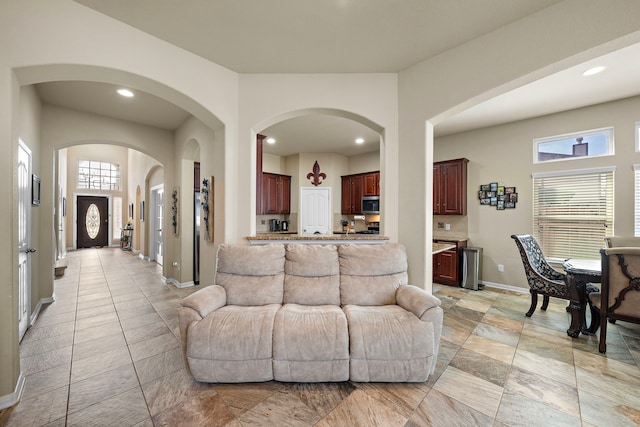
274,225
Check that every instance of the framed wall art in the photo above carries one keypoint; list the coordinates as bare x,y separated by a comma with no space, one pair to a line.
500,196
35,190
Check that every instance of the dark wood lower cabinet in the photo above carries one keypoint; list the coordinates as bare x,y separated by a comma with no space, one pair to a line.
447,265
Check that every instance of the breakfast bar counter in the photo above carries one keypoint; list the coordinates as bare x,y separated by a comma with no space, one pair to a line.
318,239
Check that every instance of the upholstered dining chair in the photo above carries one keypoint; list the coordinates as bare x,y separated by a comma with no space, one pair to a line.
542,278
623,241
619,296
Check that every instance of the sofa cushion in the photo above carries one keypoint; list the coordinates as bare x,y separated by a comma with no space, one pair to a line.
251,275
370,274
233,344
310,344
312,275
388,343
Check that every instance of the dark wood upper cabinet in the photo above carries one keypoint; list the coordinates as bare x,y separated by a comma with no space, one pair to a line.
371,182
450,187
276,193
356,186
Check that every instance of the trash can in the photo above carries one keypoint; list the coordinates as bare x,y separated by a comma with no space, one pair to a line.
472,268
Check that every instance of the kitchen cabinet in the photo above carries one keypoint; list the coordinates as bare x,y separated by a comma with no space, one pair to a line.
371,184
276,193
356,186
447,265
352,188
450,187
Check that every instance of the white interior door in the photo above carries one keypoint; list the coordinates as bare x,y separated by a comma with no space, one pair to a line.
157,197
315,210
24,238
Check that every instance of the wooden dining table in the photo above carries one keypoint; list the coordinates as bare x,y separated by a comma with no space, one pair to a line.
580,272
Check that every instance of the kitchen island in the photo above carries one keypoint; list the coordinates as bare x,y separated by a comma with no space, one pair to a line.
318,239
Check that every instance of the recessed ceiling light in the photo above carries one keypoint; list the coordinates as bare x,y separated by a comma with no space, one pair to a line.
594,70
271,140
359,140
125,92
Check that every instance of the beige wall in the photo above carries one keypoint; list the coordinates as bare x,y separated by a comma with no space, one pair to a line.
273,163
368,162
504,154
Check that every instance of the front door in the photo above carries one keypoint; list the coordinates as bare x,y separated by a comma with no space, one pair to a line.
93,221
24,239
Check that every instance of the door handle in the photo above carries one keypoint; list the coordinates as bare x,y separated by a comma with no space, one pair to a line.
31,250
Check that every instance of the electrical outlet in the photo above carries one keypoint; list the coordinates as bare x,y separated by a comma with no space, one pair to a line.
501,268
263,222
447,227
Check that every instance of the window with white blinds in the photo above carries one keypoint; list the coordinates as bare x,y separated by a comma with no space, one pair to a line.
573,212
636,210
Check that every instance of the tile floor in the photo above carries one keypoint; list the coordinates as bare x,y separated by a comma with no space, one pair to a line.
107,353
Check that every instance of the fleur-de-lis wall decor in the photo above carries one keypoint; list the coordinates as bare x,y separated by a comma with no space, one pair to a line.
316,174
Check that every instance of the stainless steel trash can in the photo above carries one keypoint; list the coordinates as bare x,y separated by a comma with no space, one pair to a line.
472,268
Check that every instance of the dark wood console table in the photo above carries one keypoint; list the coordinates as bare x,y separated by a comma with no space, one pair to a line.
579,273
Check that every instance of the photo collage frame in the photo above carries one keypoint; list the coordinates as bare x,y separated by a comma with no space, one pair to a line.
500,196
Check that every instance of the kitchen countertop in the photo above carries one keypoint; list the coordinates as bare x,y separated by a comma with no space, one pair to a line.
450,238
326,239
441,247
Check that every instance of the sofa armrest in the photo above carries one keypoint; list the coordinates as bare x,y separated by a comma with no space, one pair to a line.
415,300
206,300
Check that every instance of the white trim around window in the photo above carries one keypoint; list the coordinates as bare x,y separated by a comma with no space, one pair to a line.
557,148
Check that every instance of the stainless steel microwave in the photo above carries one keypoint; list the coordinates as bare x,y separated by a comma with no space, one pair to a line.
370,205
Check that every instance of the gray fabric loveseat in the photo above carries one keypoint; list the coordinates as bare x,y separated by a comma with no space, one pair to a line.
311,313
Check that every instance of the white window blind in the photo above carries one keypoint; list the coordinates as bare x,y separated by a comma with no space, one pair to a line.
573,212
636,210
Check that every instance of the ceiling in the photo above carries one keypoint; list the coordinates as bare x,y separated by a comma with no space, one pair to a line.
290,36
322,36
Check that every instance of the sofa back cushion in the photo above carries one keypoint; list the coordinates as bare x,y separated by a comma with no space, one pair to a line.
251,275
312,275
370,274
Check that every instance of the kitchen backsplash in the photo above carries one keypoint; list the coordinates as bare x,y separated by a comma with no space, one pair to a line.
459,226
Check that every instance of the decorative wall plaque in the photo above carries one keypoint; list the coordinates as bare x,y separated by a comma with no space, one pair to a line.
316,174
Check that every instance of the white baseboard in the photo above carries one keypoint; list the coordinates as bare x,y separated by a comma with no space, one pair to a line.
36,312
506,287
178,284
9,400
